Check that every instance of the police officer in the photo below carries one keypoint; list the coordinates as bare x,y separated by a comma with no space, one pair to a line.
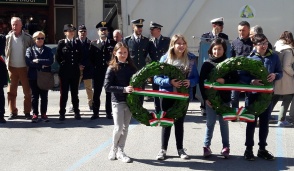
158,46
100,54
86,66
138,44
217,28
69,55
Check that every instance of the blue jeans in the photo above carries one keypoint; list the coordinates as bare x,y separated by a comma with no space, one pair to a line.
211,116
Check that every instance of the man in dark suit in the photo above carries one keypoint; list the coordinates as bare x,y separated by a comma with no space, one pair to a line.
138,44
86,66
69,55
217,28
100,54
158,46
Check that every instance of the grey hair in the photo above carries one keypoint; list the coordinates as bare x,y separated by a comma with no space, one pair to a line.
117,31
15,19
256,29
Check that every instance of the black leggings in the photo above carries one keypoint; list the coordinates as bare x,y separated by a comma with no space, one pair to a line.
179,127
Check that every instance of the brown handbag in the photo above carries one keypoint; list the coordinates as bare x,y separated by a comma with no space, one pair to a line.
45,80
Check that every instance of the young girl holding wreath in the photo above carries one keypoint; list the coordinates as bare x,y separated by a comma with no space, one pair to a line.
217,54
177,55
117,79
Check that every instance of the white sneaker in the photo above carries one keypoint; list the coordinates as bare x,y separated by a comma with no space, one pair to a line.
112,154
284,123
71,109
183,154
120,155
161,155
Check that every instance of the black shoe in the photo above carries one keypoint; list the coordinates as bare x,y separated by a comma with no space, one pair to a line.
62,117
78,117
94,116
203,112
249,155
265,154
28,116
12,116
2,120
109,116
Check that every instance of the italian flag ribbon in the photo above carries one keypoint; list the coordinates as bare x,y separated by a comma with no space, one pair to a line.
159,120
239,87
239,115
156,93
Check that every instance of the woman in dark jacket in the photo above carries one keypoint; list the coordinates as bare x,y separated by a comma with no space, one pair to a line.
38,58
3,82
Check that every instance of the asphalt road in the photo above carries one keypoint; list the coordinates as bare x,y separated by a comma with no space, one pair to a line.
84,145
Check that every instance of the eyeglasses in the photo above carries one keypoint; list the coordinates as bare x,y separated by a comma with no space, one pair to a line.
82,31
40,38
262,44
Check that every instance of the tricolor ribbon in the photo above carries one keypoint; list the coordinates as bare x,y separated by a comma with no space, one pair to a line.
156,93
239,115
239,87
159,120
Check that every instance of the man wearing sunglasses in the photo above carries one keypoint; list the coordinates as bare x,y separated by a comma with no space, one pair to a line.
100,53
86,68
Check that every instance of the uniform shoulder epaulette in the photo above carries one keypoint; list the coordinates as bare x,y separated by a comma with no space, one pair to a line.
61,41
92,41
128,37
165,37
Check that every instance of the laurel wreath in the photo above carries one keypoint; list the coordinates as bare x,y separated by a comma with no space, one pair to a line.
155,68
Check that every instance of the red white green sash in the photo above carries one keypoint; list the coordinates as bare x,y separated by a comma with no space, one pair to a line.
156,93
239,115
159,120
239,87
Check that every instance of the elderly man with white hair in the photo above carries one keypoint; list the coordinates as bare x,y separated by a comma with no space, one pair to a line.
17,41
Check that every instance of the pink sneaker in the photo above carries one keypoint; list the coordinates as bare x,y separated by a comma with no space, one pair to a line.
206,152
226,152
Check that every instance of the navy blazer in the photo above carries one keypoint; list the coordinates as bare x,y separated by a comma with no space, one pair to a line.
88,67
45,58
138,51
156,52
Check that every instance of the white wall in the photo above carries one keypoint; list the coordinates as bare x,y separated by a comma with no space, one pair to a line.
192,17
93,15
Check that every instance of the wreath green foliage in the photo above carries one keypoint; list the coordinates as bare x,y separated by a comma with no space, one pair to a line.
155,68
255,68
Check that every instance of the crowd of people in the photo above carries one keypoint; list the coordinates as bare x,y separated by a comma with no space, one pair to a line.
111,63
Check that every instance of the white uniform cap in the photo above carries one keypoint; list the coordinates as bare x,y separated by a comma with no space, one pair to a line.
217,20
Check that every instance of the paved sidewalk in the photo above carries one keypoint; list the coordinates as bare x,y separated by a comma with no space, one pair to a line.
84,145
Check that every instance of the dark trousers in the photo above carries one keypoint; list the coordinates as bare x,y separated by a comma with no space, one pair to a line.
263,125
98,85
72,84
156,99
36,93
2,101
179,127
